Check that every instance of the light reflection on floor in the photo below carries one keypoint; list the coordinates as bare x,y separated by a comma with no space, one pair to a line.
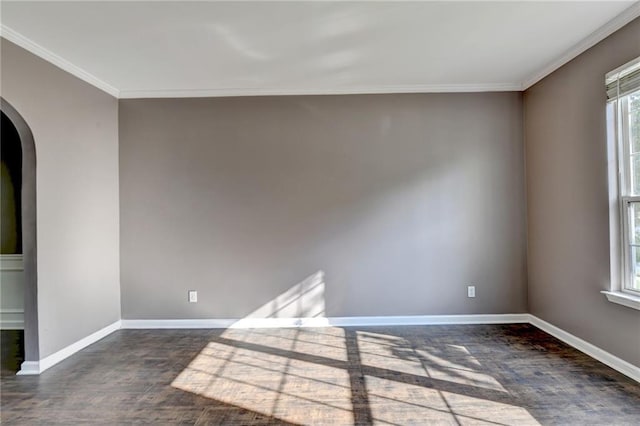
307,376
452,363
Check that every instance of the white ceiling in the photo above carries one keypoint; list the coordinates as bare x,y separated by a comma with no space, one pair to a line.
180,49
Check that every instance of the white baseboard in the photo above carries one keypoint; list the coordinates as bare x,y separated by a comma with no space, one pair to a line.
326,322
177,323
37,367
430,320
29,368
593,351
624,367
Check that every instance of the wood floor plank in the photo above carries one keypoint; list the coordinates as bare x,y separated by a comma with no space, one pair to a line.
458,375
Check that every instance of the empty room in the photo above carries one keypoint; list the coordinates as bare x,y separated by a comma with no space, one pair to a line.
320,213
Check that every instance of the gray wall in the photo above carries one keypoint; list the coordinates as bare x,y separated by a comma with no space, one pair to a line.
400,200
75,128
567,198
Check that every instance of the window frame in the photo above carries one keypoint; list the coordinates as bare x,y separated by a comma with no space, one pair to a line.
621,187
626,196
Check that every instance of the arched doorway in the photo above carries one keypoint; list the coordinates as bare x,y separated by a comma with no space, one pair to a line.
28,230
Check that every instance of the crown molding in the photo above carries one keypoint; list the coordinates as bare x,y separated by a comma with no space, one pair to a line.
67,66
628,15
33,47
600,34
366,90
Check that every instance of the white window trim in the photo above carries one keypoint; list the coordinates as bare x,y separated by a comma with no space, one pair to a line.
618,211
623,299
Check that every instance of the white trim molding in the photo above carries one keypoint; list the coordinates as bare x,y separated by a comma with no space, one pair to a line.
624,367
368,90
11,319
37,367
325,322
593,351
430,320
12,315
624,299
175,324
43,53
11,262
600,34
628,15
29,368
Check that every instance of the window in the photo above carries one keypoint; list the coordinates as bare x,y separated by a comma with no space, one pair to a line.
629,139
623,93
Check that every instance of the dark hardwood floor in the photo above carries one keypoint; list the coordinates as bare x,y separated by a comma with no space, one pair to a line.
458,375
11,351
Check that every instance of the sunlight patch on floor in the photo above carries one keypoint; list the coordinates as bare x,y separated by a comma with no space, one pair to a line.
327,342
471,410
451,363
288,389
333,376
378,351
391,400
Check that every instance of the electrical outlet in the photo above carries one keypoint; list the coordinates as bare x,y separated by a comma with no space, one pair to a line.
471,291
193,296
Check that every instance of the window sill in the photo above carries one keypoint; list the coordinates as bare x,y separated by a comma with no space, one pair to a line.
624,299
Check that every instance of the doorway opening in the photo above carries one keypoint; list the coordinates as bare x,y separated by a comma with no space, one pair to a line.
18,284
11,282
